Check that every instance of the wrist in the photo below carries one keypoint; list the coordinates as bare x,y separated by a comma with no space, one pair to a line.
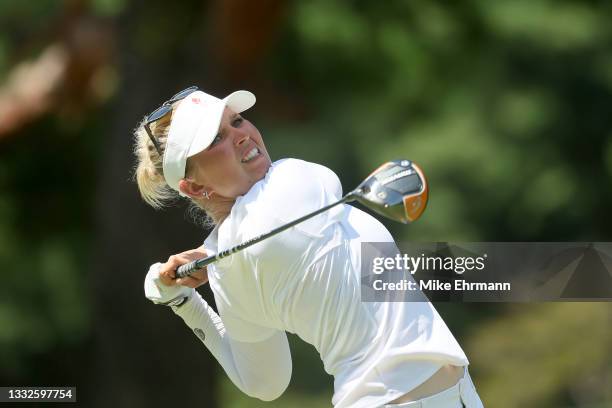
177,302
161,294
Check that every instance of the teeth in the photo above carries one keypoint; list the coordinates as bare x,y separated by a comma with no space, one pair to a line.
254,152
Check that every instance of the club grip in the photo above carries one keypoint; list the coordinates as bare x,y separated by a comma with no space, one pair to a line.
186,269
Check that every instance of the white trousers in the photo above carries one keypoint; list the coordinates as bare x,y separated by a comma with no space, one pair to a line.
463,394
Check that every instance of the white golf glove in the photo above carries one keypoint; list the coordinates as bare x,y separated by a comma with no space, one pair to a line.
161,294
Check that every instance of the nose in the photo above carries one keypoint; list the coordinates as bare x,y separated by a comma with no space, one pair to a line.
240,137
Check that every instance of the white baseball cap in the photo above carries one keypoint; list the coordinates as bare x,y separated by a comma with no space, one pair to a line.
195,124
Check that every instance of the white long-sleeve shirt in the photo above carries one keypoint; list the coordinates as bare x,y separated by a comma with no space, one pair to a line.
306,281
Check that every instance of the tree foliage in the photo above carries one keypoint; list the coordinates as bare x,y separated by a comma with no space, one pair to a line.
504,104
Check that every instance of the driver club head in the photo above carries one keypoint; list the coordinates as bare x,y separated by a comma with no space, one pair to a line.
397,190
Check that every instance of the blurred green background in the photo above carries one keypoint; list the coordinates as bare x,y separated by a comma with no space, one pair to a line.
505,104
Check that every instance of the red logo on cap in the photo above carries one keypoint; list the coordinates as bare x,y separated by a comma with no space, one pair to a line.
195,100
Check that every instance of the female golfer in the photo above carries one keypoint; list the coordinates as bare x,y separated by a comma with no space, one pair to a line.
305,280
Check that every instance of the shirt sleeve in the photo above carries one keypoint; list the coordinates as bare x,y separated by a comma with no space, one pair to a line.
260,369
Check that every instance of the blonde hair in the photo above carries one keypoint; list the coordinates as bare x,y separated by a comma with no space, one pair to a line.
149,175
149,172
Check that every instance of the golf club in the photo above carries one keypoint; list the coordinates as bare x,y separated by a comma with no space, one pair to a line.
397,190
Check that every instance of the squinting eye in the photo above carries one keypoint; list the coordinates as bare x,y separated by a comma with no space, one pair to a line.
216,140
238,121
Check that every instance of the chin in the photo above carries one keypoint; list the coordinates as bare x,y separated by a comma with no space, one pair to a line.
267,166
262,169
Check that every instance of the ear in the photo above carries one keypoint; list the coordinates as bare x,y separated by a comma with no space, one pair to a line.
191,188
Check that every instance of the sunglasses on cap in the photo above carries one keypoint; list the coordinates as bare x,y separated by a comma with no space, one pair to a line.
162,111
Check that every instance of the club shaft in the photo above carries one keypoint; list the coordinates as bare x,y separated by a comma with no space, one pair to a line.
189,268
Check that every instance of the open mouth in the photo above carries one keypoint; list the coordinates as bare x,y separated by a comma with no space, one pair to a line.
253,153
